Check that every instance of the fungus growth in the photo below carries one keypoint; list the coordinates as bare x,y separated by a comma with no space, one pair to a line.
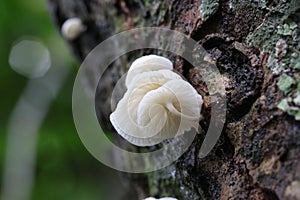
157,105
72,28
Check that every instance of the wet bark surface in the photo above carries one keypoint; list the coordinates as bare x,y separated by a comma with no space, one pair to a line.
257,156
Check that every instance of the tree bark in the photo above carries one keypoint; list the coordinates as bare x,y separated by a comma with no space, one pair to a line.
256,47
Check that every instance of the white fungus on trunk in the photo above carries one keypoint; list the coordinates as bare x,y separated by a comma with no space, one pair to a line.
164,198
157,105
72,28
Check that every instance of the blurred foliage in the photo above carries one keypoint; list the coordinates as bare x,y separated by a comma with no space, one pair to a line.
64,168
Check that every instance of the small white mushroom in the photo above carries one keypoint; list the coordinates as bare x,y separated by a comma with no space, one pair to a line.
164,198
145,64
72,28
157,105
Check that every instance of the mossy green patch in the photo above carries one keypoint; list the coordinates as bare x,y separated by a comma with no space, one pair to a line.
285,83
282,24
208,8
165,178
283,105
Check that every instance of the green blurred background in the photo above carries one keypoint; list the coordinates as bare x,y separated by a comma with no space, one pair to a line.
64,169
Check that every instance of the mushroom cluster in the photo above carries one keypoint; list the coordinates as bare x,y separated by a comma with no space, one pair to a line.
157,105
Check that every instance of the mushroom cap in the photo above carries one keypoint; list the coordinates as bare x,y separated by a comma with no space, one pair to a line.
157,105
164,198
145,64
72,28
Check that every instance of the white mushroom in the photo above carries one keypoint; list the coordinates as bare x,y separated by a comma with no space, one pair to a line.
164,198
145,64
72,28
157,105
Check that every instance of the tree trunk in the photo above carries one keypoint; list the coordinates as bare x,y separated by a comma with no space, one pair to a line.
256,47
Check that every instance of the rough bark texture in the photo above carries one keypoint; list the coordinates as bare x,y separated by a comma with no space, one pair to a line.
255,45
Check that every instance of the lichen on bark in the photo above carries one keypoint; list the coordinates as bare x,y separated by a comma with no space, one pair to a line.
278,37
